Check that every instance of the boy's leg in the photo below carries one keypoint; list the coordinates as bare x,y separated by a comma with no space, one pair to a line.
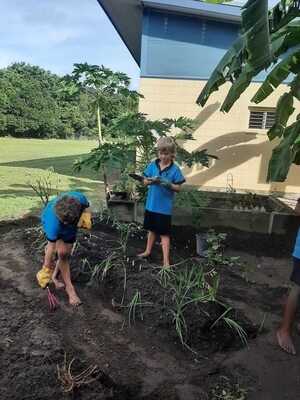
284,337
150,243
165,244
64,253
58,284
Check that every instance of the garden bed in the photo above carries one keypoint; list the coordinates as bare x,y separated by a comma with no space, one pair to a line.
246,212
140,355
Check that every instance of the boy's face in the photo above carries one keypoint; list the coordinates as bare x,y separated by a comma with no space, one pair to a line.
165,156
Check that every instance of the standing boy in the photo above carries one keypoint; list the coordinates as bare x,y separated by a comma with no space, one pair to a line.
59,221
164,178
284,336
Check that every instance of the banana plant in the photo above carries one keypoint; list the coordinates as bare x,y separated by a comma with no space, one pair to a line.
267,34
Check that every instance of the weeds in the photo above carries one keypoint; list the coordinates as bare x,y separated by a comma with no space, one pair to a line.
69,381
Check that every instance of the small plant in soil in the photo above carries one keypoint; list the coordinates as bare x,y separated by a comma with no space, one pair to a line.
135,302
235,326
70,381
215,254
230,392
125,231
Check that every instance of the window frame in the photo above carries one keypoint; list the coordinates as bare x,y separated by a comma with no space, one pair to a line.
264,127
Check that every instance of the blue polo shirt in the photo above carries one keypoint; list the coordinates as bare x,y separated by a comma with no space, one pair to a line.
296,252
160,199
52,226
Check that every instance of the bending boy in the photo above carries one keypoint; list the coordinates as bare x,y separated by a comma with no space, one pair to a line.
59,221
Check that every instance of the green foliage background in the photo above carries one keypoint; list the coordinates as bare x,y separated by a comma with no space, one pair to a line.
33,104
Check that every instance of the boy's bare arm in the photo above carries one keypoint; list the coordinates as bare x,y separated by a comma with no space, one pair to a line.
176,188
297,208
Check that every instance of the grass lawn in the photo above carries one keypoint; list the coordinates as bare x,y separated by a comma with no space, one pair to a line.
25,159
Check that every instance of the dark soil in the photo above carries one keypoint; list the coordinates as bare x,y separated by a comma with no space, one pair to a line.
140,355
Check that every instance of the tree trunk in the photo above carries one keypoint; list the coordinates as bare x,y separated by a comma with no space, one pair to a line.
99,126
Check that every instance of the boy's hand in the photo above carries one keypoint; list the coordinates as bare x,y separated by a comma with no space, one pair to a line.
166,184
85,221
44,276
155,180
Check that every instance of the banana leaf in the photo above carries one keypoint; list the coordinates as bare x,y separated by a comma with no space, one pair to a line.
249,54
291,64
283,155
284,110
221,73
284,12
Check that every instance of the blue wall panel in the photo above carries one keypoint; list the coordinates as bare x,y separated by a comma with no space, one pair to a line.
178,46
185,47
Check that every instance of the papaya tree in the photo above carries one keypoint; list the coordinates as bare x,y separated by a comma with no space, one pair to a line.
270,40
136,133
110,94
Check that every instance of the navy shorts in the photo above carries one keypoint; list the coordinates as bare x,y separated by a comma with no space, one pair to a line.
295,277
158,223
67,240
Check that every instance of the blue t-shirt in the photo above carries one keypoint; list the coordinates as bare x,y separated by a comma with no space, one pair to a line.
160,199
296,252
52,226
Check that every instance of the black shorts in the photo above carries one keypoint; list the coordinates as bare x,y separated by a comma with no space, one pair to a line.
70,240
158,223
295,277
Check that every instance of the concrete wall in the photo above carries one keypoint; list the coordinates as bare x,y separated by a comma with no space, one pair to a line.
242,152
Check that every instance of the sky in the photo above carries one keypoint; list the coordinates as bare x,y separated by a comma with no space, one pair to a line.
55,34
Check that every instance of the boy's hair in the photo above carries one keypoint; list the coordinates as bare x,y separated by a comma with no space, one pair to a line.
166,144
67,208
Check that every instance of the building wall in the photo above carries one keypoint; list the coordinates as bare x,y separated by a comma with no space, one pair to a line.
182,46
243,153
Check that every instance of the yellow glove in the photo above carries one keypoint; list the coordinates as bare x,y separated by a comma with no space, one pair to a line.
85,221
44,276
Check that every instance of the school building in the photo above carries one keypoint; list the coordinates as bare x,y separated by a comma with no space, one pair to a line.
177,44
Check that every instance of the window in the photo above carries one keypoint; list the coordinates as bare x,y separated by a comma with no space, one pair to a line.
261,119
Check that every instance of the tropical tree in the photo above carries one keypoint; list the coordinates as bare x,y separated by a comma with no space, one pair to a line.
137,134
110,95
108,90
270,39
32,104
